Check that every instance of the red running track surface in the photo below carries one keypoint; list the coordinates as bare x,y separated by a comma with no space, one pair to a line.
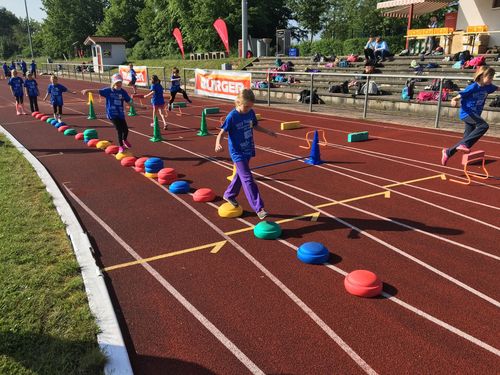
252,306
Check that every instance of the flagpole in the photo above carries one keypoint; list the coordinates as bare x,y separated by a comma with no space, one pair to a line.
29,31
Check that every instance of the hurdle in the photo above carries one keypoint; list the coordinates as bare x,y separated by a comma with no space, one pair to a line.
310,139
357,137
290,125
467,159
211,110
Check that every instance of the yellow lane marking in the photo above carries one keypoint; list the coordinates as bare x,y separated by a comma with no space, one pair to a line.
386,194
216,246
442,176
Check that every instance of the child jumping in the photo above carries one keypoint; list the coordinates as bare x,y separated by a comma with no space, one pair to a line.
115,96
16,87
175,87
158,101
239,126
55,90
32,92
473,98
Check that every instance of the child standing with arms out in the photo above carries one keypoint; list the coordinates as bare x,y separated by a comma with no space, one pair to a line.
239,126
32,92
175,87
473,98
55,90
115,96
16,87
133,78
158,101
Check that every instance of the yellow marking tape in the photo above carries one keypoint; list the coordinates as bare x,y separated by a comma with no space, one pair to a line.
216,246
442,176
386,194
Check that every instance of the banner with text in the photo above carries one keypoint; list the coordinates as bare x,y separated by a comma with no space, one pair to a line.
221,83
140,71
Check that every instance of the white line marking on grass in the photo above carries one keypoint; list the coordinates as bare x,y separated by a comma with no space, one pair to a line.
171,289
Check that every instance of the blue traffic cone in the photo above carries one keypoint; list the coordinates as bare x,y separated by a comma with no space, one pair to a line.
314,158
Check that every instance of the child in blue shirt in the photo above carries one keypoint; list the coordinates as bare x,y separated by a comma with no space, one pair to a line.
24,67
115,96
239,126
133,78
473,98
55,90
158,101
33,68
175,87
381,49
32,92
6,70
16,87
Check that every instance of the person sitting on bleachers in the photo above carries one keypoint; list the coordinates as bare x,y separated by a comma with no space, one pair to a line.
381,49
370,51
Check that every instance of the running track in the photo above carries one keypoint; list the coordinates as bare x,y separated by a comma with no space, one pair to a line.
233,304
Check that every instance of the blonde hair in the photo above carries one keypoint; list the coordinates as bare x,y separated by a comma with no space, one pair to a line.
483,71
244,96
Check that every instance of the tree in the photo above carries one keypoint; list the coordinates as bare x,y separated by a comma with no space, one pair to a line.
69,22
8,23
309,14
120,19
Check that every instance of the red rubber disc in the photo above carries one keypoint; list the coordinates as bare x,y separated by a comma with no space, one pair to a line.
363,283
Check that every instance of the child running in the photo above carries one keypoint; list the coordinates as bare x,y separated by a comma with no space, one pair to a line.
473,98
16,87
175,87
239,126
55,90
32,92
157,100
133,78
115,96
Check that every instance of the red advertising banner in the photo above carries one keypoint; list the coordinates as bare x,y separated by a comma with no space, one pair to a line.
450,20
221,28
141,72
221,83
178,36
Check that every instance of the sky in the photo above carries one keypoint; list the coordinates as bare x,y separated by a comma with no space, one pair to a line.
17,7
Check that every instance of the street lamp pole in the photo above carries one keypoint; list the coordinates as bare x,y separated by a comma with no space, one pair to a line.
29,31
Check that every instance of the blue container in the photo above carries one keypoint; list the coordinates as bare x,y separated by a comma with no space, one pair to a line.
153,165
179,187
293,52
313,253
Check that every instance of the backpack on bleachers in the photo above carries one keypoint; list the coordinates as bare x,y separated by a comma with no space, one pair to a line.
457,65
352,58
408,90
343,64
475,62
449,85
339,89
372,88
495,102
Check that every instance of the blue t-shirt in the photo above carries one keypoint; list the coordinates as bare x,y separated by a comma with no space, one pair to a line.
24,68
32,87
6,69
176,83
56,91
239,127
473,98
133,75
17,85
33,67
114,102
157,98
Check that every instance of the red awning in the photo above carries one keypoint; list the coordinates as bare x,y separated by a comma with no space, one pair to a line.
401,8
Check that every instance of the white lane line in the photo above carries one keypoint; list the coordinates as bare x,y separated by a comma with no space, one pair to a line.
374,238
331,170
171,289
330,332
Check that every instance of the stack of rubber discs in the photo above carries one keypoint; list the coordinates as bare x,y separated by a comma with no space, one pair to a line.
139,164
166,176
152,166
89,134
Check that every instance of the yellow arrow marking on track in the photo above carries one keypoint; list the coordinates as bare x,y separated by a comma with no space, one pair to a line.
442,176
386,194
216,246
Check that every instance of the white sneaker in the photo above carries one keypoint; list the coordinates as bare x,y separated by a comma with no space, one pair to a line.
262,214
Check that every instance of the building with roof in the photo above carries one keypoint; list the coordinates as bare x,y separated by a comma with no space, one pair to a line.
106,51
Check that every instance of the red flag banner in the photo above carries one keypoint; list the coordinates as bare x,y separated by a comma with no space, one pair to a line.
221,28
178,37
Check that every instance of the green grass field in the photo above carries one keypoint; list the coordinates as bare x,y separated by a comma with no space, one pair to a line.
46,326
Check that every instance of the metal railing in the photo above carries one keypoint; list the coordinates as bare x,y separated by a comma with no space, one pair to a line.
71,70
